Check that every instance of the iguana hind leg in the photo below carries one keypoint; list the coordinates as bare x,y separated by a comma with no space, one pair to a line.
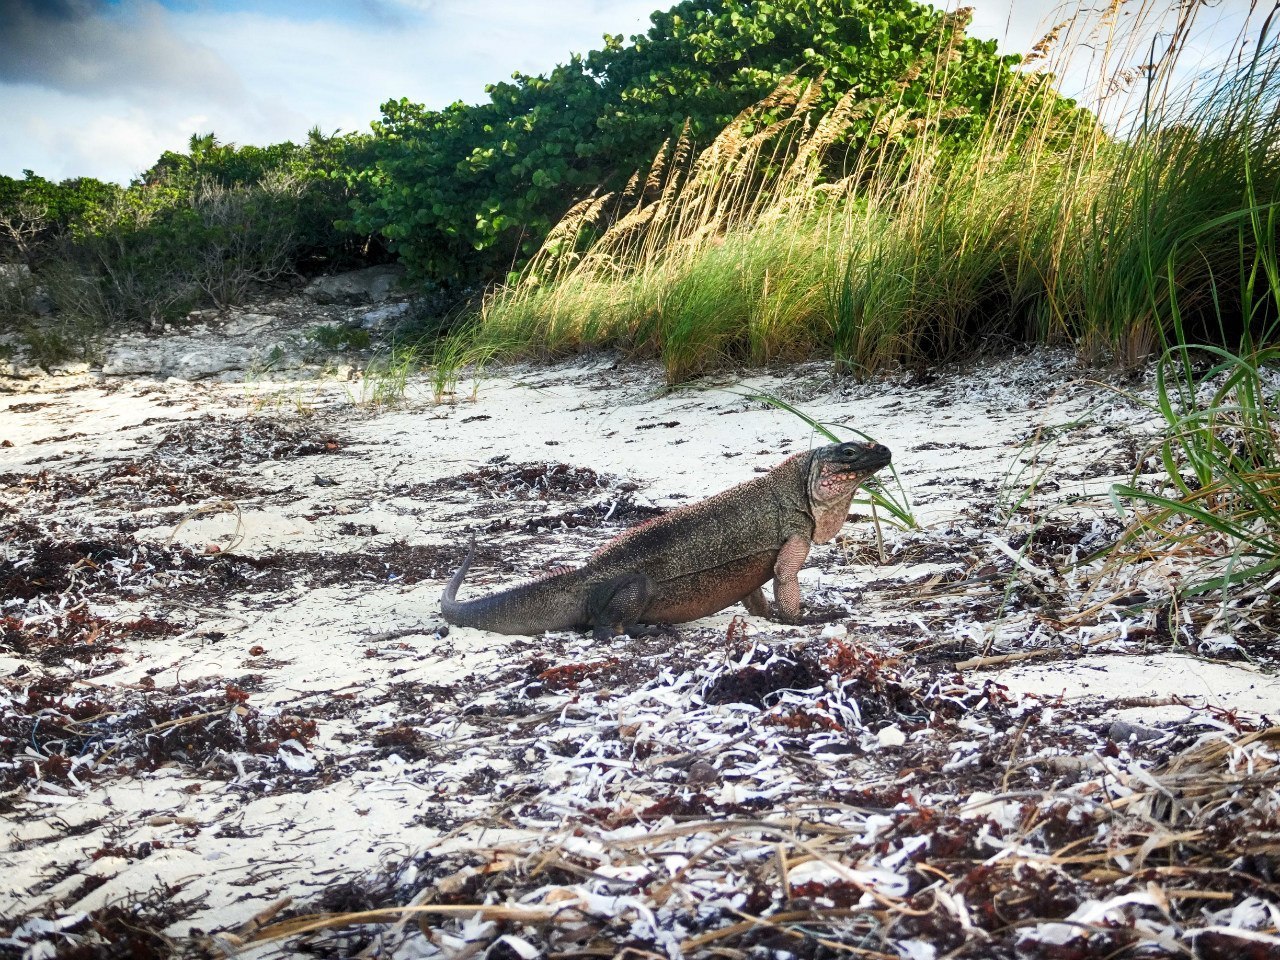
755,603
617,603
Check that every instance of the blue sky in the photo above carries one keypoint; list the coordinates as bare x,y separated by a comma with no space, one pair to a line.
101,87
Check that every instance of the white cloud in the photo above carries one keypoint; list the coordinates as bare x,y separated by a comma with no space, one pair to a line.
450,51
101,50
137,79
61,136
288,75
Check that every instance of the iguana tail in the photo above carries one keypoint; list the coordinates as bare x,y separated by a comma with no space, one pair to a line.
555,602
449,605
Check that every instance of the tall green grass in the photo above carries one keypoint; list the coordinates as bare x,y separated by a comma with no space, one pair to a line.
1219,504
1048,229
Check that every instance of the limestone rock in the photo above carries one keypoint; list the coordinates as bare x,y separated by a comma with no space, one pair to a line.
385,316
370,285
185,360
14,275
199,355
249,324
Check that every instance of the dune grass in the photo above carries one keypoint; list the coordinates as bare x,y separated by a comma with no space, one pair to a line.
780,244
1220,447
1220,502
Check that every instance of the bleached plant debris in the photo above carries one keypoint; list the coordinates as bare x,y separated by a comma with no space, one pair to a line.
233,723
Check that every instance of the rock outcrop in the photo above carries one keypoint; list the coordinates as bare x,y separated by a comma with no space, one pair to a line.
245,342
370,285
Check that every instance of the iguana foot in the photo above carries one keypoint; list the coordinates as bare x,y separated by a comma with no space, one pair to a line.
651,630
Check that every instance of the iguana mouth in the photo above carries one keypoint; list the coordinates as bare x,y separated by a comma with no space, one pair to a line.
848,464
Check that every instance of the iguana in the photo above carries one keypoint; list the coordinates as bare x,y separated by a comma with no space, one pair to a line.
693,561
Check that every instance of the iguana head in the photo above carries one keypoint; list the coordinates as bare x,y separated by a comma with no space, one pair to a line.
836,470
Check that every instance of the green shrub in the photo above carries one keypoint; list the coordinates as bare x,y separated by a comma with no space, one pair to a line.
198,227
34,212
153,252
467,191
327,172
236,237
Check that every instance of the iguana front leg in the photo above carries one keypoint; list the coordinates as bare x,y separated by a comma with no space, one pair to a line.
786,577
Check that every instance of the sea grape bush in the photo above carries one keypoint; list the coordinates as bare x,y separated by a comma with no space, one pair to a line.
471,190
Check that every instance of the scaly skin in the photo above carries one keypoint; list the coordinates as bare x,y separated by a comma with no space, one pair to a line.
693,561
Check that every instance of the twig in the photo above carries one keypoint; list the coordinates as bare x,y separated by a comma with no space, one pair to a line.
1000,658
316,922
219,506
235,940
397,634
